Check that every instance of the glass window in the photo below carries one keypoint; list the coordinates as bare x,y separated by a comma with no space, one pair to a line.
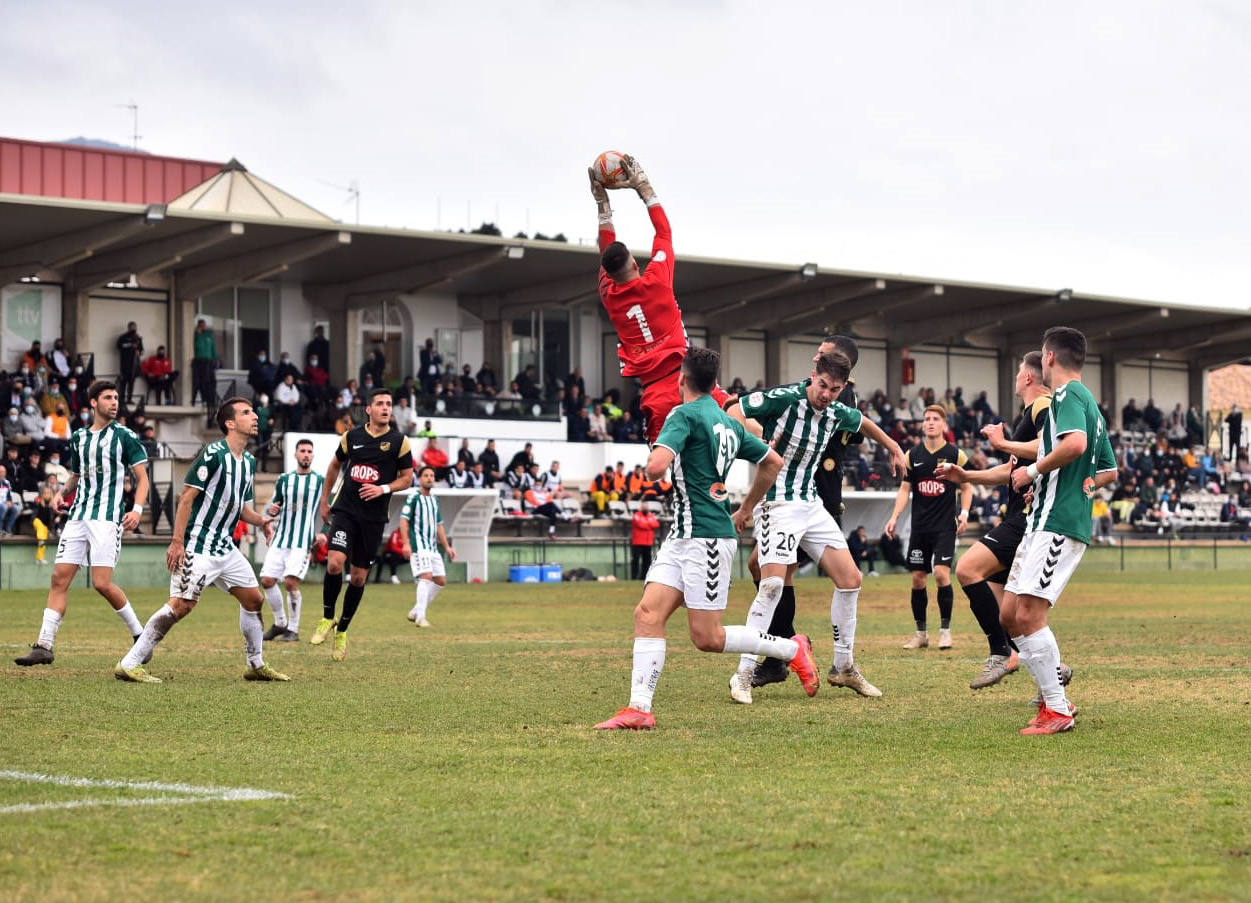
239,321
218,311
253,322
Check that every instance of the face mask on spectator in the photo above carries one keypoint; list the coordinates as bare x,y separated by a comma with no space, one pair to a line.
13,415
312,362
264,399
261,358
30,409
286,358
73,387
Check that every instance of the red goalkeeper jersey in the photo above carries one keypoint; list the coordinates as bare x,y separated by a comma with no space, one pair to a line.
651,338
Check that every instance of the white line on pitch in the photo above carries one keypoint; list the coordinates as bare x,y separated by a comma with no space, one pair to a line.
184,793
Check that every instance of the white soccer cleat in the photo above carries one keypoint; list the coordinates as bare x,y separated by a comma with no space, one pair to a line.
412,615
944,638
919,641
740,688
395,578
424,623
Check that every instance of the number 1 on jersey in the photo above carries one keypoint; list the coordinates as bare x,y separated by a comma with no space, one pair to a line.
636,313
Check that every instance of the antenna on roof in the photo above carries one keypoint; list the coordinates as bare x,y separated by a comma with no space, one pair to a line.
134,122
353,189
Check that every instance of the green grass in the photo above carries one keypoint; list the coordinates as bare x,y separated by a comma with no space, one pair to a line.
458,763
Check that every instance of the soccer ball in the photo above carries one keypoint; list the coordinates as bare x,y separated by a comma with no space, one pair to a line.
609,170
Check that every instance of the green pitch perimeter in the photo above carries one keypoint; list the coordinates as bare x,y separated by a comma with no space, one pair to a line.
458,762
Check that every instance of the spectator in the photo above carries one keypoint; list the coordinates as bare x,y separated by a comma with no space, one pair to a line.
316,381
159,372
553,482
982,406
478,477
604,489
468,384
575,379
517,481
1229,513
490,462
52,399
204,366
32,358
32,423
525,457
317,352
431,367
1131,417
55,469
10,503
75,397
57,428
599,425
1101,520
265,430
45,520
427,431
148,441
392,556
643,527
528,383
435,457
486,379
512,394
262,376
626,429
348,394
892,551
129,354
405,417
578,428
1152,416
464,454
59,360
128,492
1194,427
1234,421
344,422
636,481
458,476
861,551
32,475
374,368
287,403
286,368
538,502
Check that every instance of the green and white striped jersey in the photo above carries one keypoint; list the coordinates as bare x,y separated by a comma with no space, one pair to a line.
1063,498
424,516
225,484
799,433
100,459
705,441
298,495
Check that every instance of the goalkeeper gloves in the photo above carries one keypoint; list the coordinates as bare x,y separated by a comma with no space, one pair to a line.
638,180
601,198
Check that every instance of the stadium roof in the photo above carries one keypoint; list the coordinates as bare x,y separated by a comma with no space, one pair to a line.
90,243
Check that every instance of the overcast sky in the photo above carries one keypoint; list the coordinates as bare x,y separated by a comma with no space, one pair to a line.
1099,146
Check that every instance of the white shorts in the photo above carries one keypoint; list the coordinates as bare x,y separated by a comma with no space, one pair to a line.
700,568
285,563
1043,565
424,562
781,528
199,570
90,542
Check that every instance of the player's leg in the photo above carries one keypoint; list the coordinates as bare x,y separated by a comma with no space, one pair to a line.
63,574
837,562
295,601
919,564
982,573
776,530
430,584
364,548
659,398
759,615
102,582
341,528
186,587
659,602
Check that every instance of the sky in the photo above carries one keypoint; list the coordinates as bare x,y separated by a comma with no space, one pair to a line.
1103,147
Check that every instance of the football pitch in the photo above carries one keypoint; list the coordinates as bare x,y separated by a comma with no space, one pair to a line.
458,762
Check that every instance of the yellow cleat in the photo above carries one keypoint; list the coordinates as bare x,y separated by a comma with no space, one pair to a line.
340,647
264,672
324,628
135,675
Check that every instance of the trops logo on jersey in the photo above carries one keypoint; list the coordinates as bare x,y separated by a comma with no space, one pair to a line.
718,492
932,488
364,473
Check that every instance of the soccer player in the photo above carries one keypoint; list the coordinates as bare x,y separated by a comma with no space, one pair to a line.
100,456
421,525
935,524
1075,458
375,460
214,498
701,441
296,495
983,569
798,421
651,337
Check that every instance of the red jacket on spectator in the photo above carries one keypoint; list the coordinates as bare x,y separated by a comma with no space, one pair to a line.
154,367
316,376
395,542
644,531
434,457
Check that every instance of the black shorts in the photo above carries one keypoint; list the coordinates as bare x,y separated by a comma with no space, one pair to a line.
929,550
1003,541
355,538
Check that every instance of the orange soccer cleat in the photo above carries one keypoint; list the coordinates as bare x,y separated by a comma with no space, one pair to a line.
1048,722
804,664
628,719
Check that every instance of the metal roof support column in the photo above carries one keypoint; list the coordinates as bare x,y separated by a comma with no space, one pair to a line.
1108,387
775,354
1197,386
1006,366
894,375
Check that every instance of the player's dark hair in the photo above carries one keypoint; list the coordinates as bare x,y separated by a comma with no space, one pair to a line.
423,468
1068,344
308,442
833,364
227,411
701,366
614,258
846,344
381,390
99,386
1033,363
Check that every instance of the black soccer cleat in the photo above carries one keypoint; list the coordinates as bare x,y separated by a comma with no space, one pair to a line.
274,632
38,655
770,671
288,636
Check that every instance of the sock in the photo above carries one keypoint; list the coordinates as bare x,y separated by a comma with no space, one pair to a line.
153,632
946,602
919,604
250,624
760,614
295,600
986,609
273,595
757,642
843,623
783,623
649,661
351,601
419,598
425,595
433,592
1041,655
127,614
330,594
47,631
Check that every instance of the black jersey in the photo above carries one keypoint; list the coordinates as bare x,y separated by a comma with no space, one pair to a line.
829,475
1028,425
933,500
365,458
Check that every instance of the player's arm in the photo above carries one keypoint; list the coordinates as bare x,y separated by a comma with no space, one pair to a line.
767,470
607,234
898,461
132,517
182,517
998,475
1072,445
1001,443
735,410
658,461
58,500
446,543
966,499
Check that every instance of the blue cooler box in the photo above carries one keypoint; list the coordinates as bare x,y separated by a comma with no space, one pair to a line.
524,573
553,573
